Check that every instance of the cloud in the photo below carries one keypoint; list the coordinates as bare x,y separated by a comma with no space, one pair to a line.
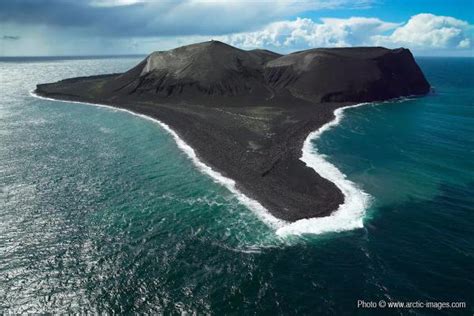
126,18
140,26
429,31
10,37
422,31
114,3
305,33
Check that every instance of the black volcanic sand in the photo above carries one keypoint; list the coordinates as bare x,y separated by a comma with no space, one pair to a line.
247,113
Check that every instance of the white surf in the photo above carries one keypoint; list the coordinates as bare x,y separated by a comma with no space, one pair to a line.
348,216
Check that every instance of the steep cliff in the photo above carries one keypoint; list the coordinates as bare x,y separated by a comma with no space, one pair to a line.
319,75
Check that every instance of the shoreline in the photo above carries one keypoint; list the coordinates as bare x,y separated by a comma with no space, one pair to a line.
348,216
259,210
248,114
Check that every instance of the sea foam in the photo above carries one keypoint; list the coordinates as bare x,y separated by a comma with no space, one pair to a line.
348,216
252,204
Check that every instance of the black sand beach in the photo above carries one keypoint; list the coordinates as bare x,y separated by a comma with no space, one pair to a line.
247,113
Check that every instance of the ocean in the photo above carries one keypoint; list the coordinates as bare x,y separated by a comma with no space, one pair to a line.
102,211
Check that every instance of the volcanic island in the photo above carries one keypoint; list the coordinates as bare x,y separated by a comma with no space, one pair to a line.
247,113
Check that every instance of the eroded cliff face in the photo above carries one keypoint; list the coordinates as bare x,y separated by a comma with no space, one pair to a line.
348,74
214,69
318,75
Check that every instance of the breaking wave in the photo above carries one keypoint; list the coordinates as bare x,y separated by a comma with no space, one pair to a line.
348,216
252,204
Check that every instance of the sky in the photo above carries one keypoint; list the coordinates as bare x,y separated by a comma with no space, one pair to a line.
119,27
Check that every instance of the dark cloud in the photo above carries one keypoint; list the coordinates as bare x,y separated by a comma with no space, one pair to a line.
10,37
159,18
67,13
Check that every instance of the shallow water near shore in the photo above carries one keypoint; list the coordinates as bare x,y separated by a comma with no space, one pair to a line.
100,211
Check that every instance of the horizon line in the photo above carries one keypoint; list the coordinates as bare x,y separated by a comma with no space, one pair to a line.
146,54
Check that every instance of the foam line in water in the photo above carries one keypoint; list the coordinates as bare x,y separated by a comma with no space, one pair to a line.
252,204
350,214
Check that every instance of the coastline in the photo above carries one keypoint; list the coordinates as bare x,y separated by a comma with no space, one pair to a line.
248,114
349,215
252,204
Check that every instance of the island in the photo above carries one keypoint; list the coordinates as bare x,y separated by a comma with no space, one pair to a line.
246,113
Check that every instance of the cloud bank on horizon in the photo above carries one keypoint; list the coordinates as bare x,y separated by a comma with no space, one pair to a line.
68,27
422,31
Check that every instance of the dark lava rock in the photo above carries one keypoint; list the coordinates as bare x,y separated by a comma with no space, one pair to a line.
247,113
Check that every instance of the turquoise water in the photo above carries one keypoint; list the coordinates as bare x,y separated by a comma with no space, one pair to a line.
101,212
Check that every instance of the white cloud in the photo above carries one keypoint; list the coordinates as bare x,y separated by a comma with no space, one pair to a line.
422,31
465,43
152,18
226,17
303,33
146,25
428,31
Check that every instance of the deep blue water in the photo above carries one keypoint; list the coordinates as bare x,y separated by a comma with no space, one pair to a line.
101,212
